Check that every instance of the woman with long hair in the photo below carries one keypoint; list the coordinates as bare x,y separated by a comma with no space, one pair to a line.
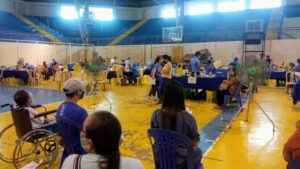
166,73
174,116
228,87
101,138
155,74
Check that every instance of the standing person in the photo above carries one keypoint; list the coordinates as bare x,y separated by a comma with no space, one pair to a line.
156,75
235,62
291,149
69,109
268,60
174,116
127,63
297,68
113,61
166,73
195,64
210,68
101,138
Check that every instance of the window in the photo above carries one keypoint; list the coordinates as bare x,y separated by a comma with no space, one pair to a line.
105,14
233,5
168,12
68,12
258,4
201,9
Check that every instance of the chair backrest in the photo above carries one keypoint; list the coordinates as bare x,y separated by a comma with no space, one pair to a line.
65,127
239,88
294,164
22,121
58,76
164,145
290,77
141,72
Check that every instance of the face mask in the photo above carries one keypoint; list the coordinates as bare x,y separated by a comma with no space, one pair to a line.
81,142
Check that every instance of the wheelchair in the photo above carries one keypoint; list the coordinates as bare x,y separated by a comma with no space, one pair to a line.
20,144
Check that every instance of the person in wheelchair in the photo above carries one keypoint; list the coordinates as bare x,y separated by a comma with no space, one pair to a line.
23,100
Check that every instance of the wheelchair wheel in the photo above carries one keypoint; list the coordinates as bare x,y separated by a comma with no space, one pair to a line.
39,146
8,139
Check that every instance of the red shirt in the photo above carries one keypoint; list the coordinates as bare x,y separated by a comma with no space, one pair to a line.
292,146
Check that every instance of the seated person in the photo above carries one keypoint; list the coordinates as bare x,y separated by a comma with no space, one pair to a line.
210,68
291,150
228,87
101,138
292,67
136,73
297,68
23,100
69,109
180,71
45,70
174,116
128,75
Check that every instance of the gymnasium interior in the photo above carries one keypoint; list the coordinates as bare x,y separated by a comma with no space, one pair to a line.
111,48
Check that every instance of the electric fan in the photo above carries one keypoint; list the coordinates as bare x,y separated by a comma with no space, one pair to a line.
254,72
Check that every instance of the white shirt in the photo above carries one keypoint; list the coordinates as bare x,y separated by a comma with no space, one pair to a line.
35,122
112,61
91,161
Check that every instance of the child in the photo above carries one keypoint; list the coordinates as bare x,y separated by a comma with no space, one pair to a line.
23,99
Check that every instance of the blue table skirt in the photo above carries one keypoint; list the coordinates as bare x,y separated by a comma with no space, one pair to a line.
278,75
147,72
296,93
223,71
202,82
21,74
111,75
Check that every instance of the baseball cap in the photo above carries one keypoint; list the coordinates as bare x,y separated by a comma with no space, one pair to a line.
74,84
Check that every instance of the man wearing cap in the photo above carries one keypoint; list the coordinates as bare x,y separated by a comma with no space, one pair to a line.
70,110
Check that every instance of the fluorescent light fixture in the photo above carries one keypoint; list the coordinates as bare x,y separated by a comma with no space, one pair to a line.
168,12
69,12
259,4
200,9
233,5
104,14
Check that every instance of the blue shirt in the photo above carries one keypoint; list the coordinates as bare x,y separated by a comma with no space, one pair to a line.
297,68
135,71
235,63
74,112
195,64
210,69
156,67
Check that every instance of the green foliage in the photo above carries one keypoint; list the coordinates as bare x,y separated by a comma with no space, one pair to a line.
95,66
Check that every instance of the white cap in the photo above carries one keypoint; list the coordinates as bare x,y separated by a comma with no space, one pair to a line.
74,84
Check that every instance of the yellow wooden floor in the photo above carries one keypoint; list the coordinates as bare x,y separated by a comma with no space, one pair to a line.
246,145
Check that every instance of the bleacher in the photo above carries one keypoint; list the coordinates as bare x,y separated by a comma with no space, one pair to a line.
100,33
201,28
11,28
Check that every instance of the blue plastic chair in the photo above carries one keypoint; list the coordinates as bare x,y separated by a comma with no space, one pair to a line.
65,127
164,146
294,164
237,96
